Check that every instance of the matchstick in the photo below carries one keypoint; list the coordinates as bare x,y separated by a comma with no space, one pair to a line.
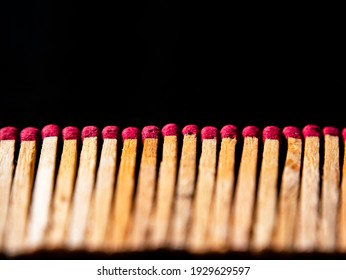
85,180
288,197
162,208
306,229
43,188
201,205
63,190
224,186
8,140
244,197
265,207
341,227
185,188
327,224
103,193
20,196
124,191
145,189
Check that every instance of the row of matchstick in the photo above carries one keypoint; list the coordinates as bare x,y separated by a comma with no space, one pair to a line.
107,200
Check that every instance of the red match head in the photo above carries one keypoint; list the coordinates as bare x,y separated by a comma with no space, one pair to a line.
110,132
343,132
229,131
90,131
8,133
130,133
150,131
70,133
170,129
209,132
271,132
330,130
251,131
292,132
311,130
30,134
190,129
50,130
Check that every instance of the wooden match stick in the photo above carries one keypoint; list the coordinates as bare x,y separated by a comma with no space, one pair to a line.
8,138
20,196
161,214
43,188
85,180
289,189
329,202
145,189
244,197
201,204
341,228
103,193
306,229
224,186
265,207
124,191
185,188
63,189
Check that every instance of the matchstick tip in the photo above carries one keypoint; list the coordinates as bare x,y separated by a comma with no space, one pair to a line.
50,130
271,132
8,133
292,132
130,133
30,134
190,129
251,131
330,130
90,131
311,130
229,131
209,132
70,133
170,129
110,132
343,133
150,131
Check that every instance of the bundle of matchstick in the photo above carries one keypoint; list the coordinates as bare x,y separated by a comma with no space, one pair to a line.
125,190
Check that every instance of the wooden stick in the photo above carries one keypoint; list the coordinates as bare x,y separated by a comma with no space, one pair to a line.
289,189
20,197
186,178
43,189
244,197
8,138
265,207
161,214
83,189
102,198
327,225
145,189
123,195
306,230
201,205
341,228
63,191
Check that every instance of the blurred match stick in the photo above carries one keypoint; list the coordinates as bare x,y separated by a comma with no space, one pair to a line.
85,180
163,205
43,188
341,228
289,189
306,227
265,207
102,197
8,140
145,189
184,189
244,197
20,197
224,186
327,224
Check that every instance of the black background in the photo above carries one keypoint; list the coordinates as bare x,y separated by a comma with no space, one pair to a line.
131,63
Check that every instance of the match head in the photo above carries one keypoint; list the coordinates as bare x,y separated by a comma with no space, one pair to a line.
292,132
343,133
190,129
8,133
251,131
311,130
209,132
229,131
50,130
271,132
170,129
130,133
330,130
30,134
110,132
90,131
70,133
150,131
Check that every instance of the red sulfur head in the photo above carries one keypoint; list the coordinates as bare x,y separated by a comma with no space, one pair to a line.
170,129
271,132
330,130
190,129
110,132
343,132
251,131
229,131
70,133
90,131
209,132
30,134
150,131
8,133
311,130
50,130
292,132
130,133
